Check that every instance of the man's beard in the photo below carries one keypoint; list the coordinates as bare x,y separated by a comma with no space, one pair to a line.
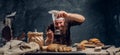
62,29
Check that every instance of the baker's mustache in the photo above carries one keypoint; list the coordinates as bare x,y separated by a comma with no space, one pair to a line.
59,27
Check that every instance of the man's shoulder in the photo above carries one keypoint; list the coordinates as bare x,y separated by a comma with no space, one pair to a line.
73,23
51,24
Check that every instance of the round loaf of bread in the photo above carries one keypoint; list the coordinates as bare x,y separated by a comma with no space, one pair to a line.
94,40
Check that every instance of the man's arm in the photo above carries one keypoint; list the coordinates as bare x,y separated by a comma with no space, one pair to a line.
76,17
50,37
71,16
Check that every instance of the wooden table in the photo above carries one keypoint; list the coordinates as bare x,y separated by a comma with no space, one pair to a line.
87,51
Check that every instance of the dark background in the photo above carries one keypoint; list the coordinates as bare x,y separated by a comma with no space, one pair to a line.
102,17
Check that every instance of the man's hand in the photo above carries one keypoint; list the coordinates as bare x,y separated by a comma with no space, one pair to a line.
50,37
50,34
62,14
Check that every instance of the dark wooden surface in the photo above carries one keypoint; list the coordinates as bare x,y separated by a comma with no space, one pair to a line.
87,51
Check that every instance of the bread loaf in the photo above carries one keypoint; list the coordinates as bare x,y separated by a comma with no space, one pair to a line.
58,48
36,37
53,47
93,42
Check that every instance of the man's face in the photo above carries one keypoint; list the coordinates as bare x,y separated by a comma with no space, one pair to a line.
59,24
